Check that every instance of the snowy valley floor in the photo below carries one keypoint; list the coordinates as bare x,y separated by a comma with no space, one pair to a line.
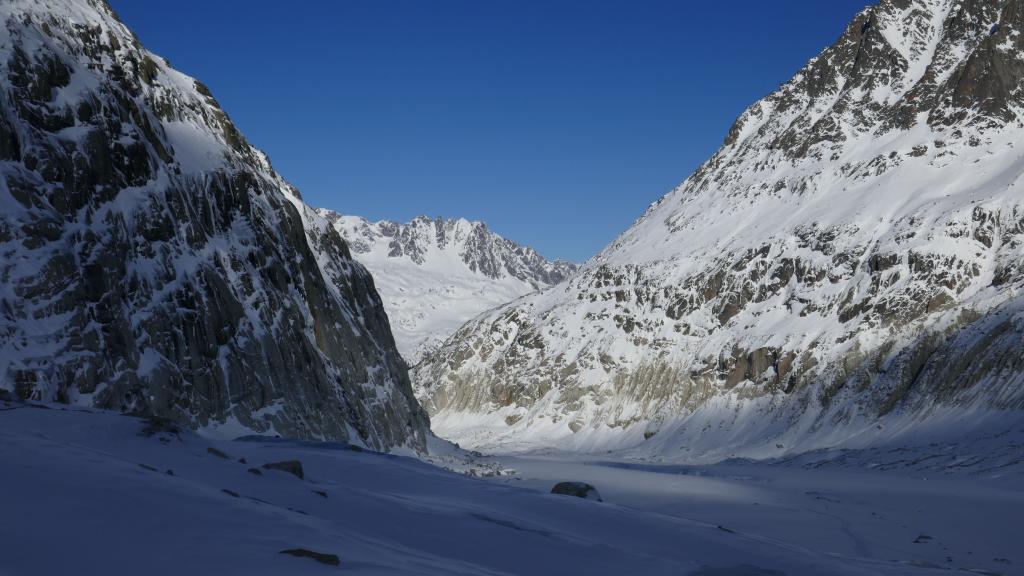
956,523
86,492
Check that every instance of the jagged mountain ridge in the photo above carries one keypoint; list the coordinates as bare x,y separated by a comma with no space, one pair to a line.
435,274
154,262
849,257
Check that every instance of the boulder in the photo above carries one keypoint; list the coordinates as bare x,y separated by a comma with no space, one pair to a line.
577,489
290,466
217,453
330,559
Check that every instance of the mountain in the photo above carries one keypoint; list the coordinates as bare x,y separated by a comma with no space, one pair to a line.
845,266
434,275
154,262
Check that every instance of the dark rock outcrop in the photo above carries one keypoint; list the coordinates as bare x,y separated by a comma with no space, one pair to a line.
153,262
329,559
851,253
293,467
577,489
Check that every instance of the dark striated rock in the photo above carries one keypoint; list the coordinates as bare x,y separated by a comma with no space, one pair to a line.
153,262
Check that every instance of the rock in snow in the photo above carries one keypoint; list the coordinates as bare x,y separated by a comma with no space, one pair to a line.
848,261
329,559
293,467
434,275
577,489
152,261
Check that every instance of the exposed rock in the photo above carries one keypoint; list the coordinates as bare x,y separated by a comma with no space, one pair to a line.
329,559
217,453
577,489
480,249
435,274
852,252
293,467
739,570
153,262
161,427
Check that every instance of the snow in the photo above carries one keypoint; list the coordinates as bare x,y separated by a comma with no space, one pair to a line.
426,304
90,492
945,521
194,147
434,285
693,280
195,221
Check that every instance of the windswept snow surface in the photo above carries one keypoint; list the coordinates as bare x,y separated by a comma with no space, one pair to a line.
85,492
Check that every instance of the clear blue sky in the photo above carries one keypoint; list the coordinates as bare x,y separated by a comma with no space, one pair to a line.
556,122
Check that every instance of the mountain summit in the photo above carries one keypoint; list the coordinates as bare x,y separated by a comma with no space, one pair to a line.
154,262
435,274
849,260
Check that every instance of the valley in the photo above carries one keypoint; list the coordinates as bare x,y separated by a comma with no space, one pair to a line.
806,359
175,501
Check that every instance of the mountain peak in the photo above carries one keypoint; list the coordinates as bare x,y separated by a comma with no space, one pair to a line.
857,226
424,238
436,273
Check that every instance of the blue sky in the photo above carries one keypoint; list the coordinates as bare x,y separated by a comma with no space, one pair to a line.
556,122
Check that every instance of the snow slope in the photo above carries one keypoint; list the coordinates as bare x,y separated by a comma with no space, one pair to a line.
173,503
152,261
963,523
434,275
850,257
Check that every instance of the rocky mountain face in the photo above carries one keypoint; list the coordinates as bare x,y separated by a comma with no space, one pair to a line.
435,274
152,261
847,264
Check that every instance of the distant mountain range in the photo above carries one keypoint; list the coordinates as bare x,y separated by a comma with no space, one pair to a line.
436,274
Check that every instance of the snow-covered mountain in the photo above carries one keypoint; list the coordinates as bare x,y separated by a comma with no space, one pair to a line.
436,274
152,261
850,260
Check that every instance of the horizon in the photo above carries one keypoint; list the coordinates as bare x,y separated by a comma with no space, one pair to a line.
419,119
